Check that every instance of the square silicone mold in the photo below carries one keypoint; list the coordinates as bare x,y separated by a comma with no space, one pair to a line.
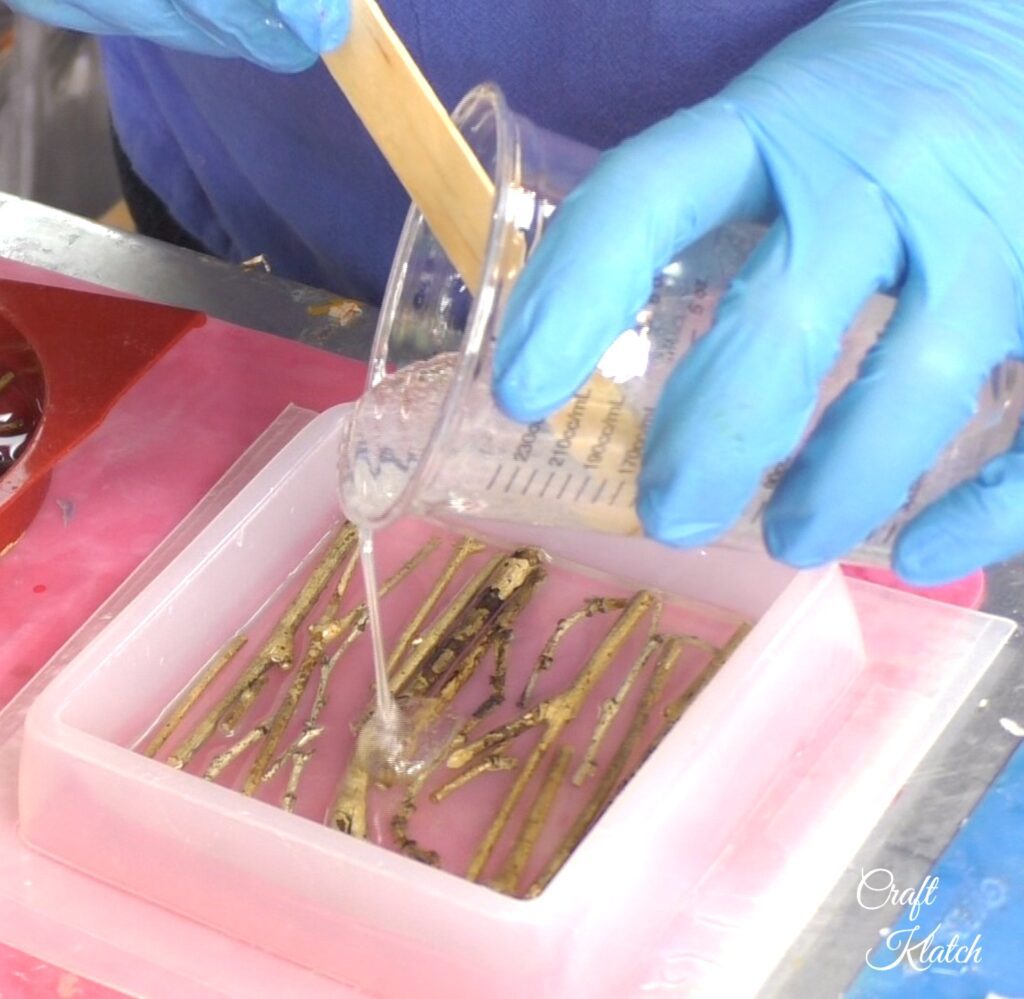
349,909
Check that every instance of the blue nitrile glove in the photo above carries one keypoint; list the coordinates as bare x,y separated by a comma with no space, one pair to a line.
887,139
285,35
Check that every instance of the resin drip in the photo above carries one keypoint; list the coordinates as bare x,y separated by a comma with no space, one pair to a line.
387,713
403,738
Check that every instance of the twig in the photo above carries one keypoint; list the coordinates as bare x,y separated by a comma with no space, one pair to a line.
406,671
466,548
556,713
502,646
400,825
355,622
610,778
277,651
676,709
307,736
291,792
280,648
314,654
507,879
454,649
223,760
609,708
211,671
595,605
489,764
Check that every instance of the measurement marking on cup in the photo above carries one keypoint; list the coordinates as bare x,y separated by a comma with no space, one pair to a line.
565,485
600,489
529,481
615,495
512,478
494,477
579,492
546,484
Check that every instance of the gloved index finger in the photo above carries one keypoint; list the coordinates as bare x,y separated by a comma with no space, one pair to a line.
644,202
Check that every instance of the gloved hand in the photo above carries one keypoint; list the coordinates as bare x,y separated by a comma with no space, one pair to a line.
284,35
886,139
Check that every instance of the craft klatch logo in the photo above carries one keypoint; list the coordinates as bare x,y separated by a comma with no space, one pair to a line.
920,942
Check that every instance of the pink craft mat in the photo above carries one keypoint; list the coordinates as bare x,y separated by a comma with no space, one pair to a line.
162,448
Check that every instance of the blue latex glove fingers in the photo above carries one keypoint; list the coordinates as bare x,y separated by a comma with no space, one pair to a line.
917,388
904,113
283,35
591,273
717,430
158,21
978,523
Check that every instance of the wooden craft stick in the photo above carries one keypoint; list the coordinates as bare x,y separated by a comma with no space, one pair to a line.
417,137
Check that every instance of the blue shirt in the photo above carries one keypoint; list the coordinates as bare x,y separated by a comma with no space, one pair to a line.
253,162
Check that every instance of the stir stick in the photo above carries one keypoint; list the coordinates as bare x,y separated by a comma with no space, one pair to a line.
417,137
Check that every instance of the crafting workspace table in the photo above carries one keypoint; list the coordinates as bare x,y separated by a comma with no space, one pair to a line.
961,815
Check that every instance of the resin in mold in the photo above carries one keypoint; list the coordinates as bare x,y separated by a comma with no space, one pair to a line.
531,694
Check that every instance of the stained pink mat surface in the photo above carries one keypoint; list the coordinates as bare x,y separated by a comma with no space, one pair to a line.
160,450
23,977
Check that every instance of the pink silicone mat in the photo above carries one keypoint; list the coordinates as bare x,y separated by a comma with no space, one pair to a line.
162,448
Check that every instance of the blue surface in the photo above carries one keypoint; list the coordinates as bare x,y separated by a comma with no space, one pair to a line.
980,892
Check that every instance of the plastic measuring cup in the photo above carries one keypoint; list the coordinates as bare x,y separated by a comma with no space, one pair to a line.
428,437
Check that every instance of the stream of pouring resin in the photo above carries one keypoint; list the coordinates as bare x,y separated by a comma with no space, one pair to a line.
401,738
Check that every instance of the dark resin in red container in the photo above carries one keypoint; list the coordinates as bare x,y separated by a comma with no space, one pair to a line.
66,357
21,394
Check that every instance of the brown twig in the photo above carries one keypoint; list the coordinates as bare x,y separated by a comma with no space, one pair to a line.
454,648
609,780
426,644
507,879
609,709
210,672
400,826
555,714
314,654
595,605
502,646
223,760
489,764
277,651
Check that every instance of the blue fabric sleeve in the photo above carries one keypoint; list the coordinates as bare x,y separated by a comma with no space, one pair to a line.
252,162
